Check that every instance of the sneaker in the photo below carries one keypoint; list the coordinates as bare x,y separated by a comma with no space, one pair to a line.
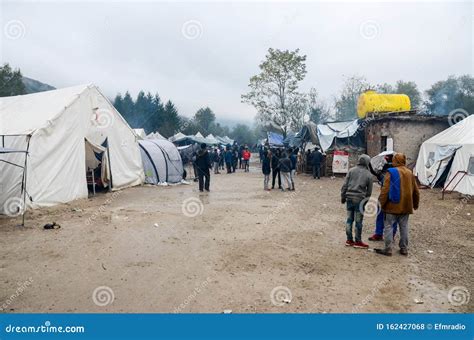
404,252
376,237
349,243
361,245
383,252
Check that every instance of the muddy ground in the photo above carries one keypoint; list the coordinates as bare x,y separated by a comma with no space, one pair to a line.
173,249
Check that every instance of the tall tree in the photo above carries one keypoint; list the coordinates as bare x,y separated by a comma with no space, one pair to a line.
318,109
451,94
128,107
411,90
274,91
346,103
11,83
205,119
171,120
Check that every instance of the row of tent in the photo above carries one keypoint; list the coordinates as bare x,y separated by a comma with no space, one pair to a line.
445,160
50,141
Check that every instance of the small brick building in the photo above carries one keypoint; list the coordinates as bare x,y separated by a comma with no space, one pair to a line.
405,132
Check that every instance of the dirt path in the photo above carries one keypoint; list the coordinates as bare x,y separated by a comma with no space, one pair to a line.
241,245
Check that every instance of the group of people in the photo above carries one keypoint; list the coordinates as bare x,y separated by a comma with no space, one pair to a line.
399,197
281,165
230,157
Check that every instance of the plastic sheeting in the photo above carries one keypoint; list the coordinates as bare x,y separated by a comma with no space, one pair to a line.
327,132
275,139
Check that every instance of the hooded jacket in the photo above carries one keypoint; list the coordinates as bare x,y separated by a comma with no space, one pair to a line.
203,160
358,182
408,198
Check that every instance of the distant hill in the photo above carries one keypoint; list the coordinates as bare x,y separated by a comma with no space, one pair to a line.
33,86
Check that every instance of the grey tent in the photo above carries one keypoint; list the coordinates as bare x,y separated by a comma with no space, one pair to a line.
161,161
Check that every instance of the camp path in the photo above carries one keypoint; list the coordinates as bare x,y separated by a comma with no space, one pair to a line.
239,248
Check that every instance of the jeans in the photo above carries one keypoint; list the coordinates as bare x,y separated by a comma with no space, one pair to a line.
229,167
246,165
317,171
292,178
379,224
266,180
204,180
286,179
354,214
216,167
276,172
389,221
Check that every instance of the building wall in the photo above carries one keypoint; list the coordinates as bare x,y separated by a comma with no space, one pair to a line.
407,133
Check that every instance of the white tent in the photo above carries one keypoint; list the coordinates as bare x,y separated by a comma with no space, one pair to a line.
66,132
449,156
154,135
161,161
199,135
177,136
140,133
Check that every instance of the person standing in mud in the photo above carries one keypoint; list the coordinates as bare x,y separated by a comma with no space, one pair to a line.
355,193
399,197
203,164
266,168
276,169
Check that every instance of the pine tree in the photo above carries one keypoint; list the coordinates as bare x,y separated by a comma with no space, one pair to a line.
127,108
171,121
11,83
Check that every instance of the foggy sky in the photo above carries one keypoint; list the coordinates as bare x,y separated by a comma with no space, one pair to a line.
203,54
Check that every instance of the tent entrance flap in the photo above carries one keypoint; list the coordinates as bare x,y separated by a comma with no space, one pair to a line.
97,160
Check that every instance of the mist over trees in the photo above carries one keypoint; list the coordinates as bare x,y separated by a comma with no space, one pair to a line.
275,93
148,111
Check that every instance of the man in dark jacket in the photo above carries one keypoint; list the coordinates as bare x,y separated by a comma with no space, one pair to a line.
356,192
276,169
228,159
399,197
266,169
316,159
285,169
203,164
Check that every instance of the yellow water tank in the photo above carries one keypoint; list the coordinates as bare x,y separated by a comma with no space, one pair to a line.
371,101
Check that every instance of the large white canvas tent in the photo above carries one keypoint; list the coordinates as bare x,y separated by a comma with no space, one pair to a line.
161,161
66,132
448,157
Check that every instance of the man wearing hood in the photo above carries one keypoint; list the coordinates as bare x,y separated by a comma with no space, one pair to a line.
399,196
203,164
356,191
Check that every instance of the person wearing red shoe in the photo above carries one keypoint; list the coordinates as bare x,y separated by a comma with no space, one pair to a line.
355,191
